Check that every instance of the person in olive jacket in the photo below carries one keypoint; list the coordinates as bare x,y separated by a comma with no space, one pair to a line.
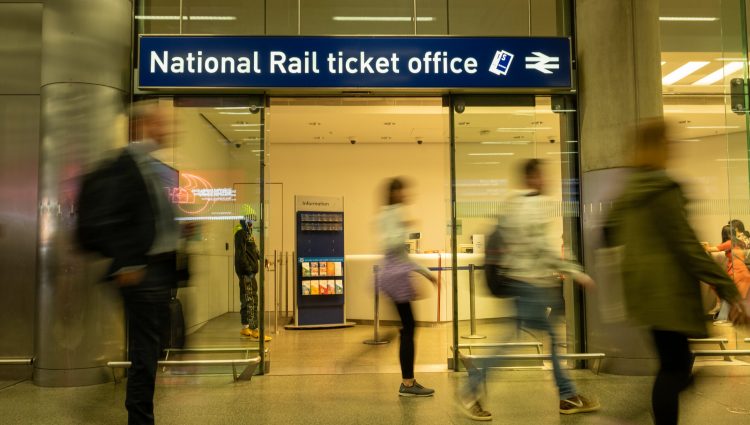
247,265
663,264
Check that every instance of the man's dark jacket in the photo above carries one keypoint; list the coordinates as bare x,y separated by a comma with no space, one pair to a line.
123,215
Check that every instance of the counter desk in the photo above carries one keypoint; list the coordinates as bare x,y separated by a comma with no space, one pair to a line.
435,305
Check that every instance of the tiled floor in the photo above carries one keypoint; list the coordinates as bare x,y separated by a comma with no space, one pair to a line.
515,397
331,377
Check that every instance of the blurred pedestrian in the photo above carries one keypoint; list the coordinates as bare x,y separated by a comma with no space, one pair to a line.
394,279
126,215
663,265
734,249
532,269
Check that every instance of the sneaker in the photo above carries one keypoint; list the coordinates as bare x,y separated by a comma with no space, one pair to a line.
256,334
577,404
723,323
477,413
246,332
415,390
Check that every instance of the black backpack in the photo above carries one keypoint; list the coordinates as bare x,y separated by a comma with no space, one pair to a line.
92,226
495,274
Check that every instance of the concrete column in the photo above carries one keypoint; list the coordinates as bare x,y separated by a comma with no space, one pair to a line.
85,86
620,82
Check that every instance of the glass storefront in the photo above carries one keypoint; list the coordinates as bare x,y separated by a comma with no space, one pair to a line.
704,56
267,149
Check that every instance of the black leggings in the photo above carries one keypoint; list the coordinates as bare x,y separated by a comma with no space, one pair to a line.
675,374
406,349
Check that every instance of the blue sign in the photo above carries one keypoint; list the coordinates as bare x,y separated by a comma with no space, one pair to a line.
354,62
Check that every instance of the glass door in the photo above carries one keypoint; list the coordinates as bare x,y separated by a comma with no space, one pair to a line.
492,138
218,152
704,61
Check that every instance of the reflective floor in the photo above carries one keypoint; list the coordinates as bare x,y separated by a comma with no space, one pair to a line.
514,397
331,377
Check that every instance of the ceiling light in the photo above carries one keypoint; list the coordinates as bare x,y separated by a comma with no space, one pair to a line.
232,107
689,140
492,154
246,129
156,18
688,18
184,18
562,153
710,127
485,163
243,124
235,113
729,59
382,18
683,71
509,142
521,129
213,18
674,111
719,75
663,62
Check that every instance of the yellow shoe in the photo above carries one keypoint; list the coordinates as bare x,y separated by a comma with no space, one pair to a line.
246,332
256,334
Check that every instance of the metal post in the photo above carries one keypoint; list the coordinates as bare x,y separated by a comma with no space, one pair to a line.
275,293
376,325
472,307
286,284
294,287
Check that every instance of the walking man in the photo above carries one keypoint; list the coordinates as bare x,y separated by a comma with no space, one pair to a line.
134,221
532,268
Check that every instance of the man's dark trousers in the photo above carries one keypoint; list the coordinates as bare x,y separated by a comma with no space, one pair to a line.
147,309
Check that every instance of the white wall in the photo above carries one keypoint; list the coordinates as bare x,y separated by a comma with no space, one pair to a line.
718,189
357,173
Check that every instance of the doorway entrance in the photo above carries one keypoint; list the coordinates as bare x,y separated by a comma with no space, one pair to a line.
460,155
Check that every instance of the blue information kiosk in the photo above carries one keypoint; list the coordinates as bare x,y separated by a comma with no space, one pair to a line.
320,285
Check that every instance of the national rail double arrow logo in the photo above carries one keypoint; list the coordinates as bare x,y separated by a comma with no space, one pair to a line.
542,62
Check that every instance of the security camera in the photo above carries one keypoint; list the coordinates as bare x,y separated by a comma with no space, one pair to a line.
237,145
460,106
552,141
254,109
419,142
354,142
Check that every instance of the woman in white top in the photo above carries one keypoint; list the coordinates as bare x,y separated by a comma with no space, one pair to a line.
394,280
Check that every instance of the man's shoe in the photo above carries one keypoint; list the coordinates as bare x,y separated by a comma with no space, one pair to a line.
723,323
256,334
415,390
477,413
578,404
246,332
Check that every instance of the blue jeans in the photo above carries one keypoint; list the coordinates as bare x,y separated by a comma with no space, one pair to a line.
724,311
532,303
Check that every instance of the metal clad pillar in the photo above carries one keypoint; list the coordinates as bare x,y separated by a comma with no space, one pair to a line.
620,83
86,50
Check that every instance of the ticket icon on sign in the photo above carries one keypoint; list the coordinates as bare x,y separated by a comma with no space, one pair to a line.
501,62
